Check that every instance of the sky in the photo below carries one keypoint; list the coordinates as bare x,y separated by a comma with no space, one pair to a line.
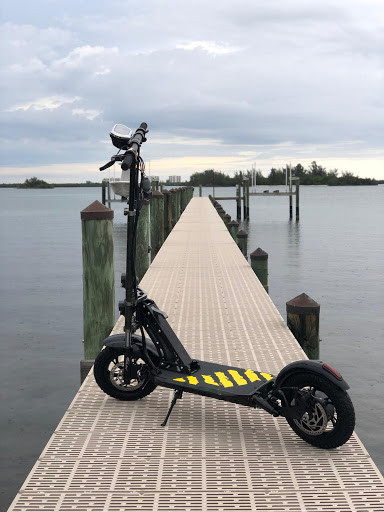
221,84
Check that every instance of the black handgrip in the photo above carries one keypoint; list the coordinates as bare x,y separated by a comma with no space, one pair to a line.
103,167
134,145
127,162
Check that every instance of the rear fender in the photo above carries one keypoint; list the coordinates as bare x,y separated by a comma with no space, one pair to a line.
307,366
118,341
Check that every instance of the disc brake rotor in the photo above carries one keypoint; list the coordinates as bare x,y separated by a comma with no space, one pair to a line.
116,375
315,422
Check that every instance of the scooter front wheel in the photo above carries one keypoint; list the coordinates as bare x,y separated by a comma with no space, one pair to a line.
330,419
109,375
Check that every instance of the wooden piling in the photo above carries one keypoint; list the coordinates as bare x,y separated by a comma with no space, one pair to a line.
157,222
242,241
244,199
233,228
259,264
226,219
290,200
183,199
238,201
247,197
103,190
303,319
142,243
167,213
98,277
174,218
297,199
200,191
178,196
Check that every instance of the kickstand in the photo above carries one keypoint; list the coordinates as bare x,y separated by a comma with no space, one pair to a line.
177,394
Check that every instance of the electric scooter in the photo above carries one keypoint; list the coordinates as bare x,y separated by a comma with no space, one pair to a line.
310,395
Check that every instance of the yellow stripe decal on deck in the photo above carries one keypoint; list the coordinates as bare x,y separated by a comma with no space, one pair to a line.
208,379
180,380
192,380
251,375
224,380
237,377
266,376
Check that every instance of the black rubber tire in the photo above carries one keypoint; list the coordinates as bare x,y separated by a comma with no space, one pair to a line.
345,420
102,373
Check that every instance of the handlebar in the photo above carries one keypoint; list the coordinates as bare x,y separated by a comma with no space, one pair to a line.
135,144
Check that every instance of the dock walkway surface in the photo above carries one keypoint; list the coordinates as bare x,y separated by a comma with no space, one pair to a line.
107,455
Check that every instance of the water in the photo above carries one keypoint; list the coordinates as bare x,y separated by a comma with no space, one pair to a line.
334,254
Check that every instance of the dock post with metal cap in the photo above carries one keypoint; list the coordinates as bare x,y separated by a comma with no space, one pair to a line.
259,264
233,228
98,280
242,241
303,319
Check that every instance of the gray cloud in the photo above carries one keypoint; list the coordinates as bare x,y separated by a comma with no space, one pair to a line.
245,74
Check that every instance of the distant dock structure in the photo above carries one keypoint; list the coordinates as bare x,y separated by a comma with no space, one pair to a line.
247,188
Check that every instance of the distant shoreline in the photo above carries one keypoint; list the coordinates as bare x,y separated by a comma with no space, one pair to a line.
55,185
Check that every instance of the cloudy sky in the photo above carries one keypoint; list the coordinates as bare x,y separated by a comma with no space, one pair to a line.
222,84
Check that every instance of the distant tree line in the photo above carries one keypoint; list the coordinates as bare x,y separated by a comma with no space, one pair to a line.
35,183
315,175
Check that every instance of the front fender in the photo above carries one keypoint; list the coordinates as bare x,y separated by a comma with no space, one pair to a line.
118,341
308,366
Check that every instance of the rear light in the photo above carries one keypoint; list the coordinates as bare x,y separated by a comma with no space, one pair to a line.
331,370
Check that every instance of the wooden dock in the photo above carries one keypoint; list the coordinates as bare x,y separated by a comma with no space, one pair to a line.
111,456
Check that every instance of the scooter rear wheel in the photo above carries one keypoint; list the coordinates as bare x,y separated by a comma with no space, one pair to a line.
109,375
331,419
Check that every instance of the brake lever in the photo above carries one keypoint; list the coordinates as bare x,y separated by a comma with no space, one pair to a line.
114,158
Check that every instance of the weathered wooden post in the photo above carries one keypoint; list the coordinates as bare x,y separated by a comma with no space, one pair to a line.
247,195
183,200
238,201
173,192
142,243
178,195
297,199
200,190
157,222
242,241
155,185
103,187
290,199
109,194
233,228
167,213
227,219
98,280
259,264
303,319
191,191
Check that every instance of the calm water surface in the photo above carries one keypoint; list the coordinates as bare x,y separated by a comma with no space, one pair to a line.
335,254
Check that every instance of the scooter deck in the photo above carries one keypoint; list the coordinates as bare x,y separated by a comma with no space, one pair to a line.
218,381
